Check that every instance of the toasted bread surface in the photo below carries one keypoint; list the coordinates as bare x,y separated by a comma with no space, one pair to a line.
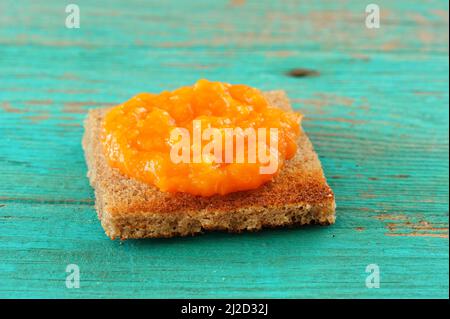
128,208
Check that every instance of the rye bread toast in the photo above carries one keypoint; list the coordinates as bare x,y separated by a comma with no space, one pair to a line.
128,208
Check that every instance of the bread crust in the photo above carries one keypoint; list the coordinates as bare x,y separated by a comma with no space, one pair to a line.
128,208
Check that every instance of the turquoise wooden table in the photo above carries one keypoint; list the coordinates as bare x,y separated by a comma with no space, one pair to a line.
376,108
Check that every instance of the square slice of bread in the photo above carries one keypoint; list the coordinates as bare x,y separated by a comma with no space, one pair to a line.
128,208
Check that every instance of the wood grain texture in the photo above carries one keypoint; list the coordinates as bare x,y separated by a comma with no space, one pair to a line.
376,111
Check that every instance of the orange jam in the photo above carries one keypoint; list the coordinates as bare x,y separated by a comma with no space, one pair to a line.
137,137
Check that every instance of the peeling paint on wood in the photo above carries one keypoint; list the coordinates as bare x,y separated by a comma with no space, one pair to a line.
377,116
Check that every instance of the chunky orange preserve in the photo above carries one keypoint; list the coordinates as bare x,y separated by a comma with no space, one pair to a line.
136,136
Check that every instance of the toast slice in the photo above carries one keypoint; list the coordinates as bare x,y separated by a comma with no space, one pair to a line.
128,208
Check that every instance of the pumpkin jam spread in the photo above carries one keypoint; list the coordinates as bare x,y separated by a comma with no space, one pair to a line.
138,138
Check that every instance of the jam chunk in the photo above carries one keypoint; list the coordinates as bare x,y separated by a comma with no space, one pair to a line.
139,137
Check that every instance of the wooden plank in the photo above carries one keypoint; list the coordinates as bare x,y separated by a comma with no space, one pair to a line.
377,114
307,262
